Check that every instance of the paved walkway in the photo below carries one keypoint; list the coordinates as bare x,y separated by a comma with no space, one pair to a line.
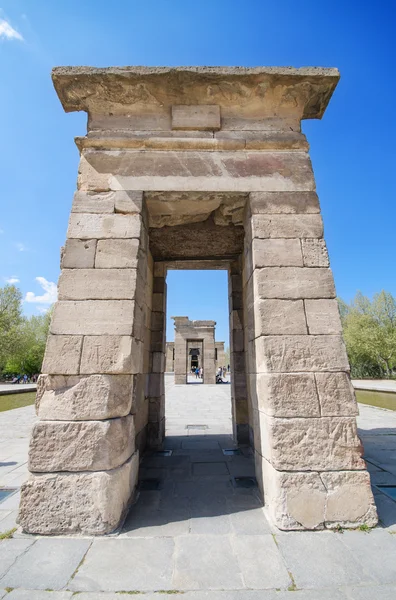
376,385
194,533
17,388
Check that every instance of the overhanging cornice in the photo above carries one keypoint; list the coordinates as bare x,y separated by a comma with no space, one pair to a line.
249,91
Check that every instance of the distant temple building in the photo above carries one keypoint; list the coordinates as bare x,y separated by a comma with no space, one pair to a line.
194,347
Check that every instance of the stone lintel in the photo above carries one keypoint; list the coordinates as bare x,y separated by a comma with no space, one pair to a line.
255,91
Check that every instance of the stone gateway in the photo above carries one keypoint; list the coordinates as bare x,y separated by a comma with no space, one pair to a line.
195,167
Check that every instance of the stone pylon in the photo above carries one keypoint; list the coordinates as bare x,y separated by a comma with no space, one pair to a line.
195,168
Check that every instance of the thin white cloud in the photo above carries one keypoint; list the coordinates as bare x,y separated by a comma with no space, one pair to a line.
9,33
12,279
50,289
20,246
42,309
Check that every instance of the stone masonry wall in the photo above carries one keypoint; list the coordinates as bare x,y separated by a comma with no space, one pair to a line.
92,401
303,408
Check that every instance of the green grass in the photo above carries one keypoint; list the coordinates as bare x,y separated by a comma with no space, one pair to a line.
11,401
6,535
380,399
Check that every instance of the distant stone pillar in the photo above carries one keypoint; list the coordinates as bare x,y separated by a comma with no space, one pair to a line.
308,454
209,363
239,394
156,384
83,454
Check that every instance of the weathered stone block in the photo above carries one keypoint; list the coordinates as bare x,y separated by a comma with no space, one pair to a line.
93,317
315,253
285,394
294,282
314,444
158,362
67,503
89,202
237,340
73,398
350,500
286,226
336,394
81,445
62,354
291,354
191,170
117,254
128,202
323,316
294,500
159,302
276,253
111,354
87,226
203,117
276,317
78,254
97,284
284,202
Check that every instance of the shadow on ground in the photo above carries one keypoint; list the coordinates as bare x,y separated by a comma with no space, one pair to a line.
198,489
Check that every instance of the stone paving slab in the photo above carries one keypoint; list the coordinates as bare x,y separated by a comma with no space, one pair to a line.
260,562
376,553
48,563
320,559
206,562
126,564
9,552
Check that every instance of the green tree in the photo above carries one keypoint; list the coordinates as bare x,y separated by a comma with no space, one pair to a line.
28,355
370,334
10,321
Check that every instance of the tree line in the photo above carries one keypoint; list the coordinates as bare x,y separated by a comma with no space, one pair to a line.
369,328
22,339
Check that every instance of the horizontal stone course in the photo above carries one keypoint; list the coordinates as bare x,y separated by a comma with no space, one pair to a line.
97,284
78,254
89,503
336,394
294,283
111,354
303,500
323,316
101,226
81,446
285,394
62,354
314,253
286,226
300,353
194,170
313,444
276,317
283,202
75,398
93,317
117,254
204,117
276,253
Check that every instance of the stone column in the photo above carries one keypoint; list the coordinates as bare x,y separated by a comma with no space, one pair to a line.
156,383
209,363
239,396
91,404
180,359
304,412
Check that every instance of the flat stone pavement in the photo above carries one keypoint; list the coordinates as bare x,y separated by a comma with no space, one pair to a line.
377,385
17,388
193,533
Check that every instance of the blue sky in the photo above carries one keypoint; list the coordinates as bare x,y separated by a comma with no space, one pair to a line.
352,148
